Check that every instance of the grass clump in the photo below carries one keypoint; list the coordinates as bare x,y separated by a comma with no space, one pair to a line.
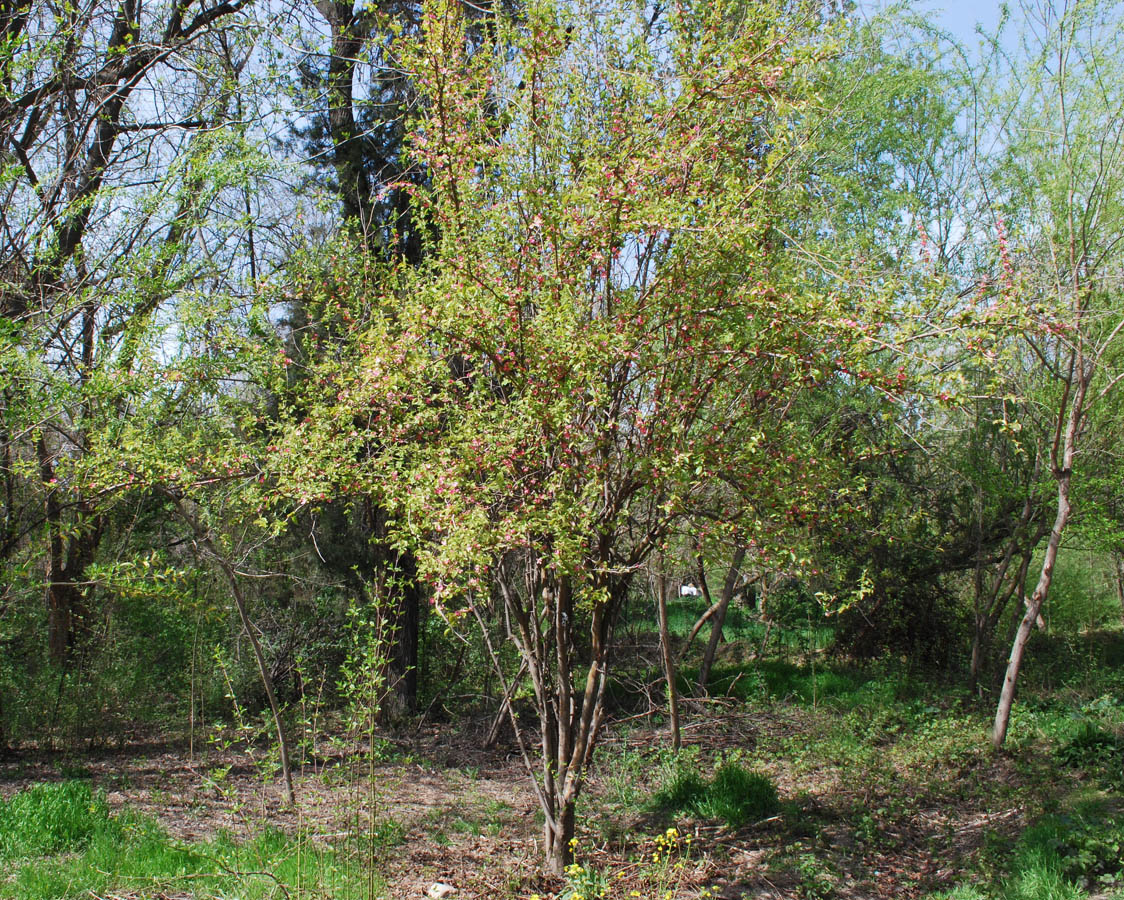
739,797
734,796
686,790
53,818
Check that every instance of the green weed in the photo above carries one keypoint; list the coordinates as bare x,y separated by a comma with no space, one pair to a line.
1096,751
386,834
1063,856
1083,847
815,878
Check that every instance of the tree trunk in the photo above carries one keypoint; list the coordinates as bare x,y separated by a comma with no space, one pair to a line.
668,659
559,838
505,707
58,597
719,617
979,639
543,613
397,574
1118,558
987,618
67,560
1033,608
267,681
1068,429
697,627
989,591
349,33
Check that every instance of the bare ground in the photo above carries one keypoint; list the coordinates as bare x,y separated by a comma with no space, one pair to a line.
449,811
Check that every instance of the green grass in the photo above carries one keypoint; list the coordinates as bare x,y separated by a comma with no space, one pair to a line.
915,744
733,796
745,625
53,818
59,841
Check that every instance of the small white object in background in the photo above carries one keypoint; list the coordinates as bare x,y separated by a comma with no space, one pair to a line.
688,590
439,890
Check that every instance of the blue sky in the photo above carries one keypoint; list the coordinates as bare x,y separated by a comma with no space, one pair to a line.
960,17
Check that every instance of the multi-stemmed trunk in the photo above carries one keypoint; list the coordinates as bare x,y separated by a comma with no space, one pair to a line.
554,652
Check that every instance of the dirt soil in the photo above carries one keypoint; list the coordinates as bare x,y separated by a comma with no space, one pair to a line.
450,811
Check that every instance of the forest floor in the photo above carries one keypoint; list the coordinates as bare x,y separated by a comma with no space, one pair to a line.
887,787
